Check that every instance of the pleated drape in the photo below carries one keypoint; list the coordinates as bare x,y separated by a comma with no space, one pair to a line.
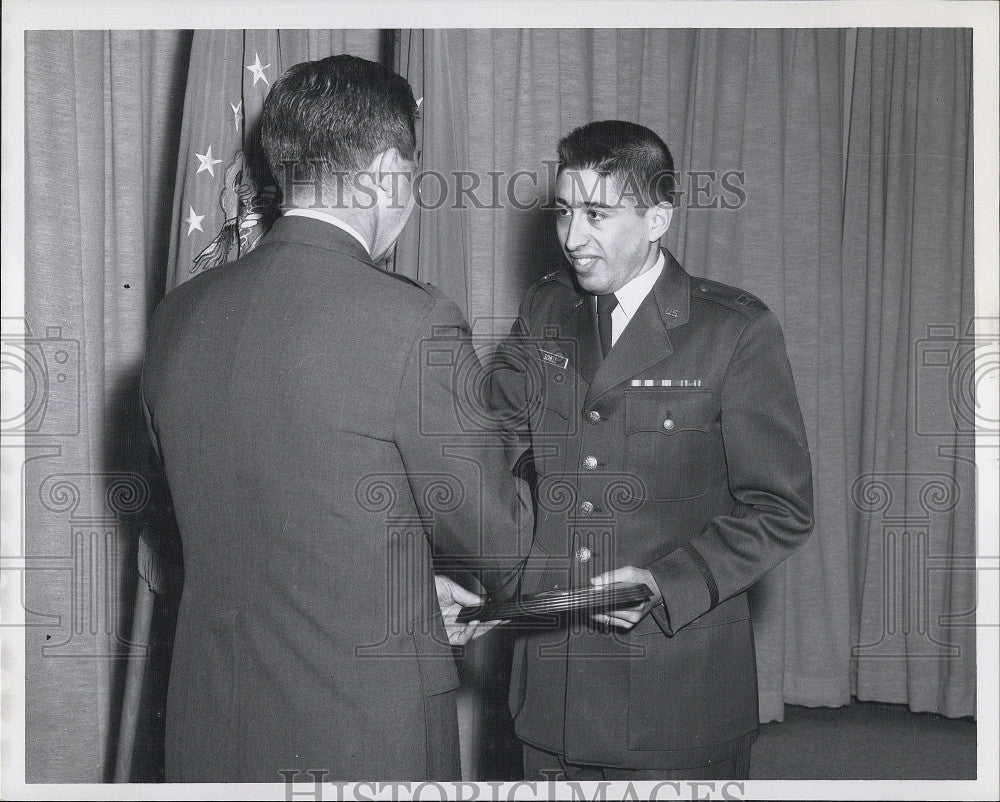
102,120
910,338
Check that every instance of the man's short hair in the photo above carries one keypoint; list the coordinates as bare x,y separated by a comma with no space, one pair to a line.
341,110
632,153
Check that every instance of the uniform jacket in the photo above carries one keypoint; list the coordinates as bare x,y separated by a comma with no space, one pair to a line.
682,452
303,402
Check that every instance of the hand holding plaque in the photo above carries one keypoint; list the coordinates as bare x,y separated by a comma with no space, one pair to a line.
595,599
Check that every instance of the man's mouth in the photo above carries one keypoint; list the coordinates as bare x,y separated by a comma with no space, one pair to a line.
583,262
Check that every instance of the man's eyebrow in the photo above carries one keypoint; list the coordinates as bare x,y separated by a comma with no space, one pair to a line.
585,204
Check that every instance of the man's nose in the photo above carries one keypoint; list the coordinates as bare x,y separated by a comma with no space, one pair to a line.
574,233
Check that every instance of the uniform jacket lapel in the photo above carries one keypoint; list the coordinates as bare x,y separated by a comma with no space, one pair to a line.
580,323
645,340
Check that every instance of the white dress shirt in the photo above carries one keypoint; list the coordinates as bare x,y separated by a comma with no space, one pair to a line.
631,296
329,218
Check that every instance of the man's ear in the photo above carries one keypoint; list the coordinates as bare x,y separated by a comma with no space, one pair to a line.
378,174
384,166
658,217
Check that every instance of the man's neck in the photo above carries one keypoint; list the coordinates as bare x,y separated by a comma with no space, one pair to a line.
652,258
360,223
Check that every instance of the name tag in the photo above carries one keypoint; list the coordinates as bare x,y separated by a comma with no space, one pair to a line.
558,360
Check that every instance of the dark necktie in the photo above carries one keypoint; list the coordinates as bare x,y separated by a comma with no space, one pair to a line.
605,306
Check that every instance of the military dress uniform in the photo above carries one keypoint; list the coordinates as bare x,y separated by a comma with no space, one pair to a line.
682,452
305,439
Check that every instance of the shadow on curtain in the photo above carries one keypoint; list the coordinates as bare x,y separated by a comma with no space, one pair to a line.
99,173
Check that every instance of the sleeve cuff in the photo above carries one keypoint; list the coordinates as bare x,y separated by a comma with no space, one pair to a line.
686,584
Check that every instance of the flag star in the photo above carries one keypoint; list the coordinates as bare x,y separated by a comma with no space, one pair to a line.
237,110
207,162
194,221
258,70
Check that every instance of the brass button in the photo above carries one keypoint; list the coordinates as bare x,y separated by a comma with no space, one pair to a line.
668,424
594,416
590,463
586,508
583,554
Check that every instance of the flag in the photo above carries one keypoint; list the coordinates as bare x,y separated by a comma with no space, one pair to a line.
224,198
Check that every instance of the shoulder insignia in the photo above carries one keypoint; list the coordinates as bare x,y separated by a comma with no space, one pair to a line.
560,276
430,289
433,289
732,297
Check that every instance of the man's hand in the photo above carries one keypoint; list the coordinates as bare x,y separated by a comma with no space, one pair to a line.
627,617
452,597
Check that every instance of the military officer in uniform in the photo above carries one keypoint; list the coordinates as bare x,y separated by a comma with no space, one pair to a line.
661,418
319,468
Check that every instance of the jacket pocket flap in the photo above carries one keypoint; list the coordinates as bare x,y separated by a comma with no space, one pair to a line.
668,410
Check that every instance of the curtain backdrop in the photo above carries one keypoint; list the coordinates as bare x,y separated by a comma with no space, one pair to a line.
909,396
848,161
103,113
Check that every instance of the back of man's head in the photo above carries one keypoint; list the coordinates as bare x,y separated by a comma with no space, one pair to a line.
340,110
631,153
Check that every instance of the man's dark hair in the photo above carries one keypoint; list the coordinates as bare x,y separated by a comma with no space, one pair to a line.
341,110
632,153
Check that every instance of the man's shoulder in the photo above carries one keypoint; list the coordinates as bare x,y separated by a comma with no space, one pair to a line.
408,306
724,297
394,299
551,295
422,290
188,292
557,278
555,287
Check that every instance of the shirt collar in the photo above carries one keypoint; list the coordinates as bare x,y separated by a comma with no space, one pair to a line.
634,293
334,221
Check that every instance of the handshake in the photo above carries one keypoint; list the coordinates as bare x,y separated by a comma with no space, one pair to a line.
618,598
